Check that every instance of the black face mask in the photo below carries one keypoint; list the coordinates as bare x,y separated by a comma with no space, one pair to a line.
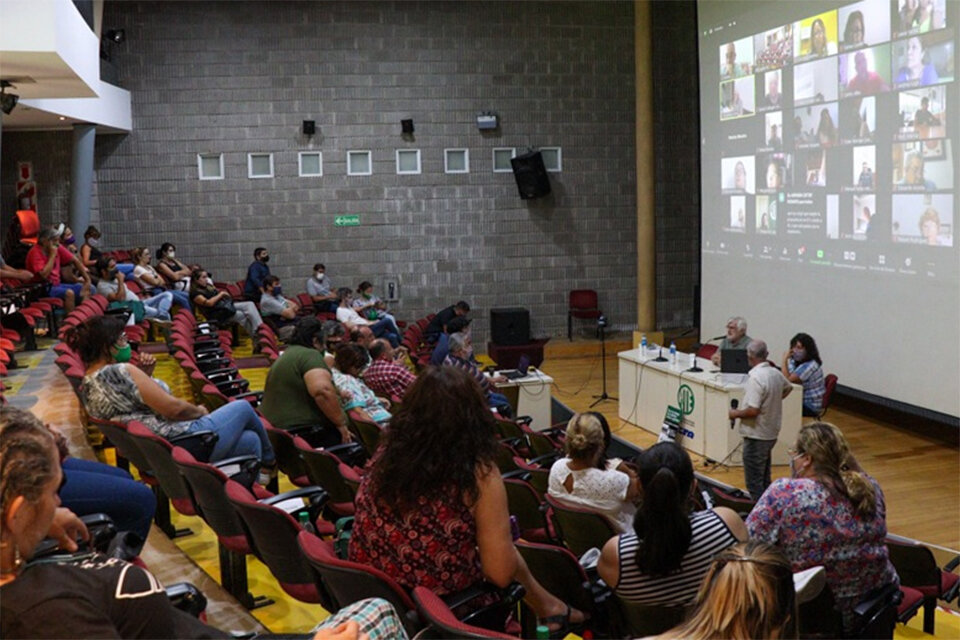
265,259
112,274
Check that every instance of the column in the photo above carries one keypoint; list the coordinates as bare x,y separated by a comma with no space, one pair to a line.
81,176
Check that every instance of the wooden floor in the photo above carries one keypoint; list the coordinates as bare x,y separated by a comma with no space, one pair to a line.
920,477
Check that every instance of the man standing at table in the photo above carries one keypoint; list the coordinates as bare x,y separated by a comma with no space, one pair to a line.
760,414
736,337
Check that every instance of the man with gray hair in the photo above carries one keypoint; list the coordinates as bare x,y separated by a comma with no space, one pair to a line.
736,337
461,356
760,414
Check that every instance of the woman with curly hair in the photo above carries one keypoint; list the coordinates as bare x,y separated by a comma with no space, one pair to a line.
432,509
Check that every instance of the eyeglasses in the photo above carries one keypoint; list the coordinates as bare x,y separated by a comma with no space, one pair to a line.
122,340
794,452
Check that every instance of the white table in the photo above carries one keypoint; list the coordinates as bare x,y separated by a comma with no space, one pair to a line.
647,387
530,396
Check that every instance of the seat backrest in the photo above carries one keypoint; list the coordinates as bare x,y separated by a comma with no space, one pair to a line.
288,458
117,434
580,529
323,469
829,384
559,572
584,299
444,623
369,432
157,452
524,503
348,582
642,620
273,533
914,563
207,486
706,351
29,226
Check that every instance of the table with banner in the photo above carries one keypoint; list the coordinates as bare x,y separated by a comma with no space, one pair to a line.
648,387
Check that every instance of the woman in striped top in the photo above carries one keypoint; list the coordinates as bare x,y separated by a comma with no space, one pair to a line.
665,560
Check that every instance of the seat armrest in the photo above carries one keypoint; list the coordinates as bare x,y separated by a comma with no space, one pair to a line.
547,459
305,492
522,474
186,597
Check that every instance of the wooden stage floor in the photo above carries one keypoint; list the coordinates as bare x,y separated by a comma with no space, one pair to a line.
920,476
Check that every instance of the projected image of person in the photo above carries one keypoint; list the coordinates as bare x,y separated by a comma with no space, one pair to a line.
766,215
738,218
775,170
863,210
925,219
920,16
738,176
930,228
826,130
773,139
818,39
922,117
730,68
915,68
772,98
865,81
774,48
853,31
913,168
811,168
865,179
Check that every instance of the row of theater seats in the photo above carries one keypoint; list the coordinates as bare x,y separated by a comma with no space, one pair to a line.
25,312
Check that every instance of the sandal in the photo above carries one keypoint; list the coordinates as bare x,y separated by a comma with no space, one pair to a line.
562,619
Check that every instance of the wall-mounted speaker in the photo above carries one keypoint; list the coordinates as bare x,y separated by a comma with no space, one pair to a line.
406,126
510,326
309,127
531,175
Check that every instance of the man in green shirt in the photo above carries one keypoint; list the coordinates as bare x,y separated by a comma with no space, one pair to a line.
736,337
300,390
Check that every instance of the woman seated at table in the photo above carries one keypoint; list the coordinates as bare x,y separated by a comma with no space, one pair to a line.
432,509
802,365
663,561
829,513
583,479
115,390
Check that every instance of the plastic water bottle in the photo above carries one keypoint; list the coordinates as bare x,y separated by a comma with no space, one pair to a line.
643,345
673,353
304,518
543,631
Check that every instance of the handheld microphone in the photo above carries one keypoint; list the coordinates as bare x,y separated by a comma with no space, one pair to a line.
733,405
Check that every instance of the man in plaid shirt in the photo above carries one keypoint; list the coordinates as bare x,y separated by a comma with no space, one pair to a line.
386,376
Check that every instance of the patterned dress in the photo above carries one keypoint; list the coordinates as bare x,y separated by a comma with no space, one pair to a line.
433,546
815,527
110,393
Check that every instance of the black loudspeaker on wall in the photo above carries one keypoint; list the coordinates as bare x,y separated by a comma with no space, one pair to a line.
309,127
510,326
531,175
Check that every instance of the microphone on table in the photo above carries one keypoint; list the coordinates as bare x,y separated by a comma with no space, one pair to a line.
660,357
716,338
733,405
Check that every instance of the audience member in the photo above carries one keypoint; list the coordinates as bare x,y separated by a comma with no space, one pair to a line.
151,281
748,592
802,365
664,559
441,349
111,286
440,321
351,361
219,307
45,259
299,391
736,337
12,273
829,513
90,249
461,357
363,336
334,334
256,273
582,478
386,375
175,272
760,414
371,307
432,509
274,305
345,314
321,290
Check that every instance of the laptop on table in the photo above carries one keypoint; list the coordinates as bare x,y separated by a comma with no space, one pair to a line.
520,372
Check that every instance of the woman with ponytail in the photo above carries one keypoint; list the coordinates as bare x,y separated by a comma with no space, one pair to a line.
665,559
829,513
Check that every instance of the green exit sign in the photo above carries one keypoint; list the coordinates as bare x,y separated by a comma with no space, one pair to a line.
347,221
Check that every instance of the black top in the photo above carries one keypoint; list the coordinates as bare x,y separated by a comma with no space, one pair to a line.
99,597
442,319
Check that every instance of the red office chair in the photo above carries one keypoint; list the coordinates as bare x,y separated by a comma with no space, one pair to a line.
584,305
706,351
918,569
829,384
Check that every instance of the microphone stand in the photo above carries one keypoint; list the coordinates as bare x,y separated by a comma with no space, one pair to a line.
603,363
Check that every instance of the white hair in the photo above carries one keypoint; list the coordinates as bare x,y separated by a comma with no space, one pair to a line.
740,322
757,349
458,342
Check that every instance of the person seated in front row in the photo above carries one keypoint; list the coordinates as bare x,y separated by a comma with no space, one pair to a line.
736,338
112,286
352,320
219,307
434,485
748,592
113,389
461,357
386,375
322,291
582,478
352,360
802,365
100,596
299,391
664,559
44,260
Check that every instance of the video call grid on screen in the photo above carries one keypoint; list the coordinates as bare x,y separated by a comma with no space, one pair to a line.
829,133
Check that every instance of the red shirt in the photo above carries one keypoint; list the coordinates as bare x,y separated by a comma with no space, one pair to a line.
388,378
37,260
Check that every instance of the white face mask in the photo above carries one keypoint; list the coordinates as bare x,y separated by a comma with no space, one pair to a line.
171,254
319,277
93,242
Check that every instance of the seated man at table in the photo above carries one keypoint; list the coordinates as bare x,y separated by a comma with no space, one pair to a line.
461,356
736,337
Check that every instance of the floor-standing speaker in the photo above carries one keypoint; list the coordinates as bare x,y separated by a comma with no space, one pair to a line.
531,175
510,326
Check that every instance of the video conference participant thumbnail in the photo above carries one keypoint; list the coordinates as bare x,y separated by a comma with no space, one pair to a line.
924,219
865,72
923,113
924,60
858,119
815,82
737,174
922,165
816,37
919,16
864,24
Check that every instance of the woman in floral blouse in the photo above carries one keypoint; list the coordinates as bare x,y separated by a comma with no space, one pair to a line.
829,513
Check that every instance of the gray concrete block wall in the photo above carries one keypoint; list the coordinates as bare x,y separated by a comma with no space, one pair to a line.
236,78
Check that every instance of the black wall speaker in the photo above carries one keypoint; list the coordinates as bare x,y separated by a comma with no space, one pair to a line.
406,126
510,326
531,175
309,127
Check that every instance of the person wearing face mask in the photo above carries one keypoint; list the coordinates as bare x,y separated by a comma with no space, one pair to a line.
45,259
219,307
151,280
829,513
352,361
321,290
173,271
461,357
257,272
111,286
802,365
371,307
90,249
281,312
346,314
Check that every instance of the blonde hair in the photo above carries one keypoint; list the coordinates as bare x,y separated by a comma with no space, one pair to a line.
748,592
584,436
832,464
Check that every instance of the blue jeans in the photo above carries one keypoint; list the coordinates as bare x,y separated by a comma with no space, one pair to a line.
93,487
385,328
126,268
179,297
756,465
240,432
60,290
499,402
158,306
